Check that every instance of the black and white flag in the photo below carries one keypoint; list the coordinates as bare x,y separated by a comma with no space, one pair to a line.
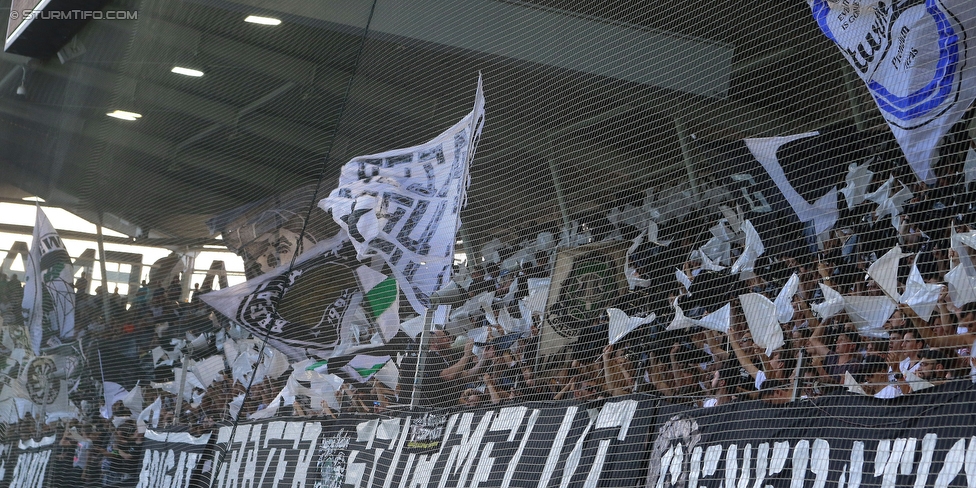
326,304
49,293
405,205
917,58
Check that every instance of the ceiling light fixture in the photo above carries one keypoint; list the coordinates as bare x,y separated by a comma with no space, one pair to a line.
124,115
186,71
33,199
255,19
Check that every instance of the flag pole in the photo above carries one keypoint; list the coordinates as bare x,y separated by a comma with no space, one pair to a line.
421,354
106,310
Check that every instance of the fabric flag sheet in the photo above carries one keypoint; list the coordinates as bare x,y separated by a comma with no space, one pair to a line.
823,212
49,294
318,307
918,61
405,205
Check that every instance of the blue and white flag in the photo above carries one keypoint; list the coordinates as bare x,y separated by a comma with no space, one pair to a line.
405,205
49,294
917,58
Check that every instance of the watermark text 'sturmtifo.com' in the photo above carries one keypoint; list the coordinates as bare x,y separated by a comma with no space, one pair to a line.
74,15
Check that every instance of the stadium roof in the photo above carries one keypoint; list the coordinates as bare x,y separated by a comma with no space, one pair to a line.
592,91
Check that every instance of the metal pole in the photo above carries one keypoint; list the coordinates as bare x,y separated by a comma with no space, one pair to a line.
106,310
422,354
796,375
179,395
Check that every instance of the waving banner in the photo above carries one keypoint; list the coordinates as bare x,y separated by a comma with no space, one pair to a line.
322,306
916,57
405,205
49,293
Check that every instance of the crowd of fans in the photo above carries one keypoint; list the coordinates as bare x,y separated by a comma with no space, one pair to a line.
705,367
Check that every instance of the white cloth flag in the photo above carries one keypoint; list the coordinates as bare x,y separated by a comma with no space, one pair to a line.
49,274
858,178
921,296
884,272
869,314
918,61
752,249
405,205
761,316
717,321
823,212
832,305
621,324
784,300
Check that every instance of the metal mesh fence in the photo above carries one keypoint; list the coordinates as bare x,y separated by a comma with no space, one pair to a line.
490,242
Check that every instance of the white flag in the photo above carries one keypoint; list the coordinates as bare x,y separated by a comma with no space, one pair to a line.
917,59
49,294
823,212
405,205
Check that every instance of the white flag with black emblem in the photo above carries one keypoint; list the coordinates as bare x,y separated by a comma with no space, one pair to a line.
49,294
405,205
918,60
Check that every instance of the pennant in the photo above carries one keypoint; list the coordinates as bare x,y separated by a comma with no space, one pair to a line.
312,309
921,296
49,279
823,212
752,250
869,314
858,178
381,300
917,59
404,205
717,321
622,324
884,272
362,367
832,305
784,300
763,324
